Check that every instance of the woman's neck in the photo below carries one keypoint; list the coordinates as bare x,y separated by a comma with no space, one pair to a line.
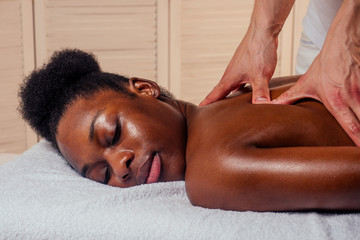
187,109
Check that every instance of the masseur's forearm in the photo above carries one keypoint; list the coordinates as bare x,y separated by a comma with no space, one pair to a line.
345,28
270,15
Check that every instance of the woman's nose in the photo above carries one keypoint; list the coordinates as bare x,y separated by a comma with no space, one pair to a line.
120,164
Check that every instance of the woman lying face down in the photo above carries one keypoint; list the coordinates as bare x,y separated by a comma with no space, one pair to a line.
232,154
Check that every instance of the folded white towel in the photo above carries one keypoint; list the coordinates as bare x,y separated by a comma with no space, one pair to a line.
42,197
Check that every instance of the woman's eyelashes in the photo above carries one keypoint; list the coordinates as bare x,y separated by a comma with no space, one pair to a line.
116,135
105,172
112,135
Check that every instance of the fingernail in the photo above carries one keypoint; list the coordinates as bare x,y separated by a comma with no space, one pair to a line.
275,100
261,99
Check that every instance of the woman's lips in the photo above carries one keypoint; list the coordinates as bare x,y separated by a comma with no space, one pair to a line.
149,171
155,170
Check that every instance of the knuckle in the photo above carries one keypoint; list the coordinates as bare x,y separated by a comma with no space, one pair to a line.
284,95
354,92
268,71
336,100
354,127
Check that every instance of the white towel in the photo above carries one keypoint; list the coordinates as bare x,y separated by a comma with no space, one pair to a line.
41,197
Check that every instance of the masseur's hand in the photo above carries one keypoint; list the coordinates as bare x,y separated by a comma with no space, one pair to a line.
254,62
334,76
255,59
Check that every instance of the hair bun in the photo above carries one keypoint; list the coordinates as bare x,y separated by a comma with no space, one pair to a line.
69,65
42,90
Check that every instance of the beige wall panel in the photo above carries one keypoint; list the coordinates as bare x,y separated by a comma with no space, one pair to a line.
210,33
13,136
163,47
285,48
300,9
122,33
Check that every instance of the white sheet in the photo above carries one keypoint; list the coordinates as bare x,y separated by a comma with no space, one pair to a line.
41,197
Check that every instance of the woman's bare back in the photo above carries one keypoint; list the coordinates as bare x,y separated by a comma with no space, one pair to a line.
266,157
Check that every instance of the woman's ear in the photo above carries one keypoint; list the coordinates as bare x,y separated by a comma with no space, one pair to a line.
144,86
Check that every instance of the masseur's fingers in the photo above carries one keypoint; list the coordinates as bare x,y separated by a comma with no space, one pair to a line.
354,130
220,91
348,118
346,109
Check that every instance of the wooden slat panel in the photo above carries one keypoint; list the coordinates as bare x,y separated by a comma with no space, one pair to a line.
210,32
122,33
299,13
12,128
97,3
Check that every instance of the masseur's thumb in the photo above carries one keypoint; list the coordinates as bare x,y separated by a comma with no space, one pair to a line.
288,97
261,92
295,93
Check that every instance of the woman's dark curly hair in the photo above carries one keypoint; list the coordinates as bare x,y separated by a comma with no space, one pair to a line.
47,92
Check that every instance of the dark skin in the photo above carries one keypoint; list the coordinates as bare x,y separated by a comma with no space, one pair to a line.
239,156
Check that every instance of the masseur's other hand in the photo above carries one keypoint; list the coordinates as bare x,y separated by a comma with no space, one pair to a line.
254,62
334,79
334,76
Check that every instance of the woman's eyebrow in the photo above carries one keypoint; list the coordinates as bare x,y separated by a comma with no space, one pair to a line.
92,125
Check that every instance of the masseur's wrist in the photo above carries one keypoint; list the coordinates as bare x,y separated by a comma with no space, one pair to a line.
269,16
344,32
353,26
264,29
260,38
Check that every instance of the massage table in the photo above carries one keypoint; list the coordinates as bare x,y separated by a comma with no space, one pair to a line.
42,197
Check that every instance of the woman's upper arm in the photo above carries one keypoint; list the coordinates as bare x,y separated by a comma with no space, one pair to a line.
278,179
